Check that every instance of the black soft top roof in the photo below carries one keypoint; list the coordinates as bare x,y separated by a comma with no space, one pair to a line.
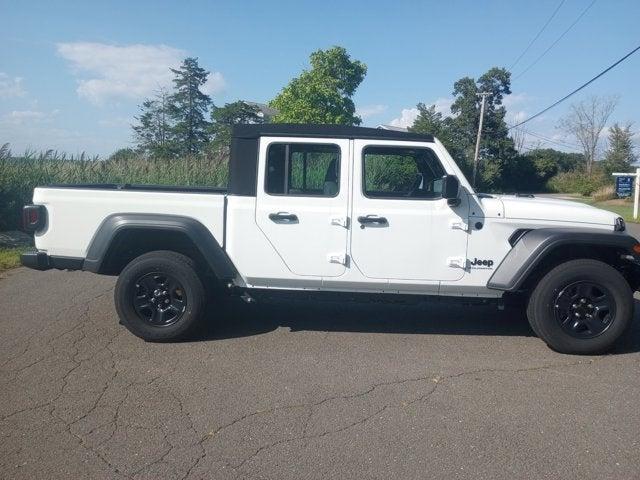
323,131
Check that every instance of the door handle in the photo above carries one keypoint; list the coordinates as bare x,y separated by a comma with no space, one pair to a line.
372,220
283,217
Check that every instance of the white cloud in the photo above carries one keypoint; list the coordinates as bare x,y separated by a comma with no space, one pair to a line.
409,115
515,116
215,84
116,122
367,111
22,117
10,87
107,71
518,107
406,119
443,105
515,99
38,131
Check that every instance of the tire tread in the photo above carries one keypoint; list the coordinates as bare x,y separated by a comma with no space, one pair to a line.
545,327
181,265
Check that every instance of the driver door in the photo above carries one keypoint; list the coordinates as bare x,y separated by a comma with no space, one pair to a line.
402,227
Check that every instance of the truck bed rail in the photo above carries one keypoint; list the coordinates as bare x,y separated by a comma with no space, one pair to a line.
140,187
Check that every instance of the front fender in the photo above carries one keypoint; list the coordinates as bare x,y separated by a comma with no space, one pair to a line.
535,245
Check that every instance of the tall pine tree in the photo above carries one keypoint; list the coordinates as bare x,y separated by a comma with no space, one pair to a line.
620,154
189,107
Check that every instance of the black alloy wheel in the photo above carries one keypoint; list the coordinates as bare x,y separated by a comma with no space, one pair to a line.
159,299
584,309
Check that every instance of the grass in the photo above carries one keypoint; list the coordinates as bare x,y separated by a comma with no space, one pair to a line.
10,258
624,208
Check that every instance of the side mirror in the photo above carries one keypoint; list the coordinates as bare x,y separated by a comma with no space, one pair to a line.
450,190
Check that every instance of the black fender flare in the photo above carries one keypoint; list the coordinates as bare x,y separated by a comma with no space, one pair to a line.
534,246
202,238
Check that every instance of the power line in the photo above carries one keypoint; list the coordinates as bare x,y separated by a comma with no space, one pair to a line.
550,140
577,89
539,144
546,140
556,41
537,36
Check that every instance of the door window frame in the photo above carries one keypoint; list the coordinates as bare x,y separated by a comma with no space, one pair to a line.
287,163
364,172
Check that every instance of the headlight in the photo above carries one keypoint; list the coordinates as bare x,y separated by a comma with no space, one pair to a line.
619,225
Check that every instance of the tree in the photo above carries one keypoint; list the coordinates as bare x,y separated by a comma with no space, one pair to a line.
531,171
428,120
324,93
620,154
518,136
431,121
585,121
224,118
458,131
189,106
565,161
122,154
153,132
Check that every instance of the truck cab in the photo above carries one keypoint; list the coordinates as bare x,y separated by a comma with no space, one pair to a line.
350,209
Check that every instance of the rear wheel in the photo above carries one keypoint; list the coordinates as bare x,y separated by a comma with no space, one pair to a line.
581,307
159,296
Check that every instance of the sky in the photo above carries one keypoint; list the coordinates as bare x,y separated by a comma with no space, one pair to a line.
73,73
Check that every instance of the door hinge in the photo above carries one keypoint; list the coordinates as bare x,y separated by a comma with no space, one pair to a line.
457,262
339,258
458,225
340,221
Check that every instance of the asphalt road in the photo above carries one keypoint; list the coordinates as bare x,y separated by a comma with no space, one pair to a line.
292,390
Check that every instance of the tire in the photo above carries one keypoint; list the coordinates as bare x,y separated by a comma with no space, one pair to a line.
581,307
160,297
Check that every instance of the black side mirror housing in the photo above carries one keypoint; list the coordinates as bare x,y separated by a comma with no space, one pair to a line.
451,190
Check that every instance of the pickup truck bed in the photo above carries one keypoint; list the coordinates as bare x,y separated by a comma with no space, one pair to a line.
76,212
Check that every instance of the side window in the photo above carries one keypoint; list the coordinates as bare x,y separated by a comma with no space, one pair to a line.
401,172
303,169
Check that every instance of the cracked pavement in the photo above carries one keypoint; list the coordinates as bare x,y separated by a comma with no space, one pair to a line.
289,389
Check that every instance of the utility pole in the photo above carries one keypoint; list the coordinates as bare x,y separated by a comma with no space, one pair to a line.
484,95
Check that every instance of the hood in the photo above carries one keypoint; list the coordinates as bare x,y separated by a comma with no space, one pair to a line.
552,209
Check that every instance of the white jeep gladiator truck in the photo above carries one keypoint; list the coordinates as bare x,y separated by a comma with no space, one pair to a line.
342,209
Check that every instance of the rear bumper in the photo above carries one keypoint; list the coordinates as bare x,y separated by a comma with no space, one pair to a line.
41,261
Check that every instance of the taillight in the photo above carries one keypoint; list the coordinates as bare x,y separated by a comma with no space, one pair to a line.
34,217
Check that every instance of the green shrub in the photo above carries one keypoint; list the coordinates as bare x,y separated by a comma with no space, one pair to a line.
577,182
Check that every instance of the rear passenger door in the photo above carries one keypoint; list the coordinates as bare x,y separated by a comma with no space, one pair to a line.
301,204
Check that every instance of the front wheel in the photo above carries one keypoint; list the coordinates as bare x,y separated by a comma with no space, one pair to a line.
581,307
159,296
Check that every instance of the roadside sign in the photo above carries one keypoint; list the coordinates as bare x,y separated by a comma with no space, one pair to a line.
624,186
